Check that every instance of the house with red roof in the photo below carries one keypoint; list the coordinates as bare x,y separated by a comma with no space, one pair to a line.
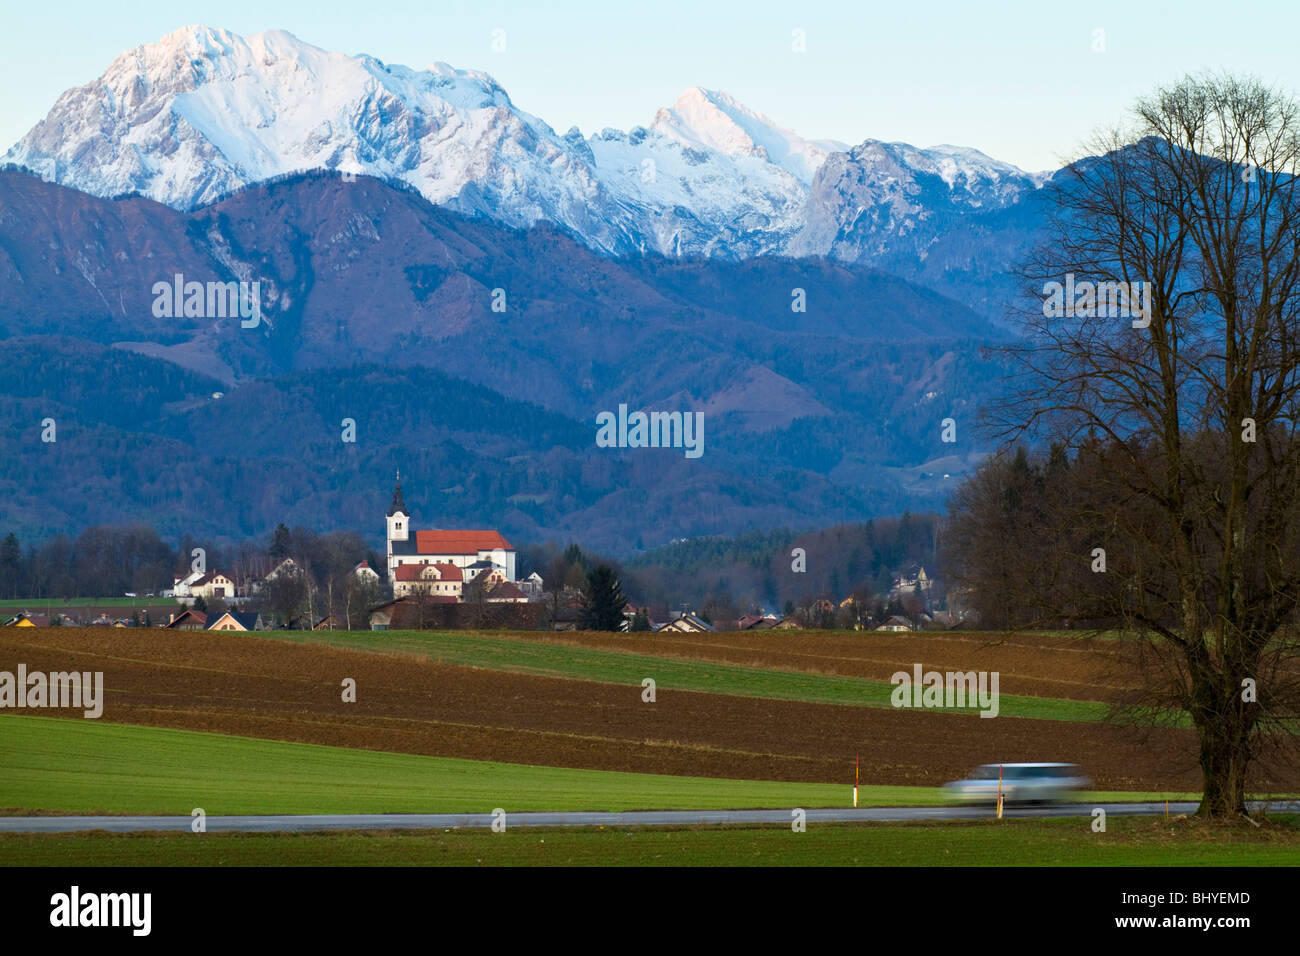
439,579
188,620
428,561
505,592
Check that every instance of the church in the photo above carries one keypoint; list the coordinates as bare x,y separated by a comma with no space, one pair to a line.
441,561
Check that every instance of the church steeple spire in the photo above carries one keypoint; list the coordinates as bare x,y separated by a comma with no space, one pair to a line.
398,504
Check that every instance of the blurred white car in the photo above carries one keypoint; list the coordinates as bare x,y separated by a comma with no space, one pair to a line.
1021,783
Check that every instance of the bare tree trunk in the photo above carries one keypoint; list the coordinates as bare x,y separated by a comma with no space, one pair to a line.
1224,756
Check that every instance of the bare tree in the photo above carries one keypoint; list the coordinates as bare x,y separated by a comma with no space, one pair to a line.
352,595
287,597
1165,360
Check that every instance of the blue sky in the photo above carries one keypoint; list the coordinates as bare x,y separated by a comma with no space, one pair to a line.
1019,81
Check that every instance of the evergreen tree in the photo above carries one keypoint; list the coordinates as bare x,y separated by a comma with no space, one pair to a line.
281,543
603,607
11,565
573,555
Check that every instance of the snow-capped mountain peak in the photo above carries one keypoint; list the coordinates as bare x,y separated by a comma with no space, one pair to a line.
713,120
204,111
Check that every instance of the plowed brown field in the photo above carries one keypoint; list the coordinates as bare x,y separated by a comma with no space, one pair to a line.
1075,668
261,687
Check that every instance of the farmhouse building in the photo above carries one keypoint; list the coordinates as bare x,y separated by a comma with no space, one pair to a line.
214,584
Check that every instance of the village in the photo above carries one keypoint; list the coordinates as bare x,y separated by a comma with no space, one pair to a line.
448,578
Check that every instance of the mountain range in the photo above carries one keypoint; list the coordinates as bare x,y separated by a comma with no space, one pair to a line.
471,289
203,112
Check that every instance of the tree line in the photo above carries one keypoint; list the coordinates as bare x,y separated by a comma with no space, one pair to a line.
109,561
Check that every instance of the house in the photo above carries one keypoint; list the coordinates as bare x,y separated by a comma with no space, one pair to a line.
288,567
912,581
441,579
896,623
787,624
487,570
506,592
406,613
238,621
214,584
479,550
181,585
756,622
629,617
364,571
483,580
188,620
23,619
532,586
565,612
381,618
686,623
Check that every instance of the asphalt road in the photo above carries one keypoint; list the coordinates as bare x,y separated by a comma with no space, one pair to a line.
423,821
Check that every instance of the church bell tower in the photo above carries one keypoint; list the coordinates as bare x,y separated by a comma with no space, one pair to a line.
399,526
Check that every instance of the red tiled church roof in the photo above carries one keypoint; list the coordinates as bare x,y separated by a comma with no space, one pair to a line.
459,542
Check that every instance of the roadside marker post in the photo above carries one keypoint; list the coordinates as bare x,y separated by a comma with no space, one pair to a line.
999,791
855,781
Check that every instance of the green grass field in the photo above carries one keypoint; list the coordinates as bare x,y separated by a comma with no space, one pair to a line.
531,656
69,766
35,604
1128,842
82,766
